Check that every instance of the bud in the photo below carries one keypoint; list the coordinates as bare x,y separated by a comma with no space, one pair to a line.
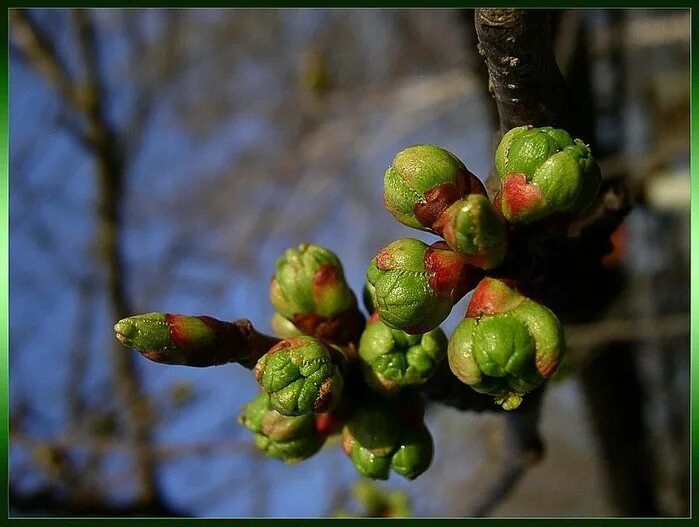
369,298
414,455
507,344
289,438
416,285
328,423
393,359
190,340
310,291
283,327
422,182
310,280
378,438
544,171
300,376
475,228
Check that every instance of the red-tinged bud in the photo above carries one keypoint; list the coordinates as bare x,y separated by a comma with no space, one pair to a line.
450,276
416,285
493,296
423,181
507,344
328,424
192,340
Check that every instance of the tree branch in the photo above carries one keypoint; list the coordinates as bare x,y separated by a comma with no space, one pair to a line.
109,167
38,50
529,90
523,76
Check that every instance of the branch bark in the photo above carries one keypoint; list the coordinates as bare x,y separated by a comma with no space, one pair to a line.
524,79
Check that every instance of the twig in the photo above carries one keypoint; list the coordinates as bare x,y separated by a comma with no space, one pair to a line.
584,340
529,90
522,447
99,135
36,47
109,164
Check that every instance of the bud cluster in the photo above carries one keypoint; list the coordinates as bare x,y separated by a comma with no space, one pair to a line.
330,370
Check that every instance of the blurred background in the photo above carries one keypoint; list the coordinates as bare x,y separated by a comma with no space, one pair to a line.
160,160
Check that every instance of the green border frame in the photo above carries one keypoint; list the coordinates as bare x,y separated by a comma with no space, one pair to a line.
4,260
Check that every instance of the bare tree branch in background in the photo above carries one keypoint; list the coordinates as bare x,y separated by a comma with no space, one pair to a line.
88,99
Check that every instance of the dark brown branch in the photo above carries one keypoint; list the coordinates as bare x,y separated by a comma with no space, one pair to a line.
585,340
523,76
101,138
529,90
445,388
37,49
614,396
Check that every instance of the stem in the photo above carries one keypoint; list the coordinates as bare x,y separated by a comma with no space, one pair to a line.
523,76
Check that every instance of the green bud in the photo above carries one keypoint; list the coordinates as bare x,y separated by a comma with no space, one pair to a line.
181,339
283,327
416,285
252,413
289,438
384,434
280,427
376,428
369,298
300,376
544,171
394,359
414,455
507,344
369,464
423,181
477,230
310,280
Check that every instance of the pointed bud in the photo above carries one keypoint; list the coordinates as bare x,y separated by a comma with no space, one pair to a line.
423,181
393,359
416,285
192,340
300,375
507,344
544,171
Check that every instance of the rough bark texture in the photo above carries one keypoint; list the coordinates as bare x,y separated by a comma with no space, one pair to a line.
524,79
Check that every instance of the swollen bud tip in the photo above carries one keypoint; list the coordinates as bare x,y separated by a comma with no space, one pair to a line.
124,331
